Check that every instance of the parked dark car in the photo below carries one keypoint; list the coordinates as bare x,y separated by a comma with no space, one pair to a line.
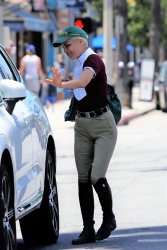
160,88
28,189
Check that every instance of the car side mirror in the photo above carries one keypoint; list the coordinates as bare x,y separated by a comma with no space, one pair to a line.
12,92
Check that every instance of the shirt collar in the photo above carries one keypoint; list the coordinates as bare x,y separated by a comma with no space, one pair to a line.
85,55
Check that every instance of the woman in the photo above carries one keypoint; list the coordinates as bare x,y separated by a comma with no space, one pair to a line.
95,131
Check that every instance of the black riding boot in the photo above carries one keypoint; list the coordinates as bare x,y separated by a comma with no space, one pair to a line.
105,197
86,200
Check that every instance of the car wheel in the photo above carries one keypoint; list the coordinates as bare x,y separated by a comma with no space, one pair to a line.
165,109
41,226
158,106
7,214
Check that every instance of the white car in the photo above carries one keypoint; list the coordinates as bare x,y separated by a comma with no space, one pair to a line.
160,87
28,189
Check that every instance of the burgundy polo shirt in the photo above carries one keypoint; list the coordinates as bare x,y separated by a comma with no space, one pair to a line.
96,90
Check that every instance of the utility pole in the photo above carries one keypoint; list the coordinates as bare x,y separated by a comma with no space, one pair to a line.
108,33
1,21
5,38
119,63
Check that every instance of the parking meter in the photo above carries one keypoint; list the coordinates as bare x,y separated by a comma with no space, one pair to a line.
130,83
130,68
121,69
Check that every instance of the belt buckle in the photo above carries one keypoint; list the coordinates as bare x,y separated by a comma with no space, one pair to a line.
87,114
94,114
104,110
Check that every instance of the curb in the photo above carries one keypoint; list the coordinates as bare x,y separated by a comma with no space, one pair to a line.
127,118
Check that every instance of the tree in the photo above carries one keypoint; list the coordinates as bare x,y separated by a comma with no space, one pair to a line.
164,27
122,11
139,23
155,31
98,5
144,26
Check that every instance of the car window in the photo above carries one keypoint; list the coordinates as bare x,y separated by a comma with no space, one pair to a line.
7,68
1,74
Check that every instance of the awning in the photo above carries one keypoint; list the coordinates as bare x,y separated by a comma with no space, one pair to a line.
17,26
27,21
32,22
98,43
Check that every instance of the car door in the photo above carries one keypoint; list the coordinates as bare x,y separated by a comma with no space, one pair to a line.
162,82
23,122
40,134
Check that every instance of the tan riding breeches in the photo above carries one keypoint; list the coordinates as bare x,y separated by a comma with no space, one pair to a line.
95,140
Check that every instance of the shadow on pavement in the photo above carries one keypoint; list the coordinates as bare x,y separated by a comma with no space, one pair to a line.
154,238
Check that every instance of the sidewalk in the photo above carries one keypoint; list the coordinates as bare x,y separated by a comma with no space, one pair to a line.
56,116
138,107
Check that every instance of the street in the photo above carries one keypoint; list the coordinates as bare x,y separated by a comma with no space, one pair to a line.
138,178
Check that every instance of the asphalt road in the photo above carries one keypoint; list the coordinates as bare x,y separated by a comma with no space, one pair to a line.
138,178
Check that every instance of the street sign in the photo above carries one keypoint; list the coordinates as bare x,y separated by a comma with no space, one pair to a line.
64,3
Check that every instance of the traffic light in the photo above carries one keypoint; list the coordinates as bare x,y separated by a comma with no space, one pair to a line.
85,23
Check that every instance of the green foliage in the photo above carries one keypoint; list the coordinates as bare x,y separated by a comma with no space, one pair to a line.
164,21
139,18
139,23
98,5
